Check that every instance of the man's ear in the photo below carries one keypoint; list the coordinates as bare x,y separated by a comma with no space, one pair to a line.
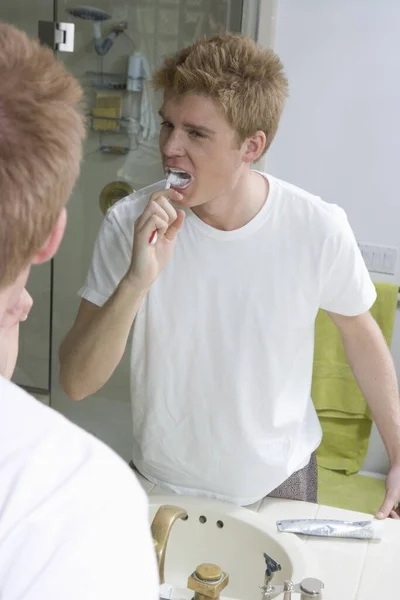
254,147
50,247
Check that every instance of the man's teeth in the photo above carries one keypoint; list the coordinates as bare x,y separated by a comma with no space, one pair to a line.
178,178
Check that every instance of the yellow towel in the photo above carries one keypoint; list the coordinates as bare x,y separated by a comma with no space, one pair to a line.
104,124
353,492
108,104
343,412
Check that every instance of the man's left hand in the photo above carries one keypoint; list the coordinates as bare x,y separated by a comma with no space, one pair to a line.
390,506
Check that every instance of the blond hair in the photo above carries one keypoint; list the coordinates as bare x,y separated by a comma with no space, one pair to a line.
41,133
247,80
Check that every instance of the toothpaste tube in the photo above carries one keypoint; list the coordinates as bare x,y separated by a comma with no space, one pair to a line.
362,530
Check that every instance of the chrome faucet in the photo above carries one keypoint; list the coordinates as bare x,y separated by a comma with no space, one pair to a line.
160,530
308,588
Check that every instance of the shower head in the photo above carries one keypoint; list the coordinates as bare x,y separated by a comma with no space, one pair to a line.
88,13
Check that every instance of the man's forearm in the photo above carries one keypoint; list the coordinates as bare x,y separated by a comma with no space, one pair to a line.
89,354
372,365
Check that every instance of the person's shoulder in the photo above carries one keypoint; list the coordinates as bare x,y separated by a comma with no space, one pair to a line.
32,433
20,410
301,205
128,209
62,485
13,397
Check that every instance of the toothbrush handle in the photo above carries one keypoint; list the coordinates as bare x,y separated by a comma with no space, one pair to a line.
154,237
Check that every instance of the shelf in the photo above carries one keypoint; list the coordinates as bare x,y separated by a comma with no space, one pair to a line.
109,86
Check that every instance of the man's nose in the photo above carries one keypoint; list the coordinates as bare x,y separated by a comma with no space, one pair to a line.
174,144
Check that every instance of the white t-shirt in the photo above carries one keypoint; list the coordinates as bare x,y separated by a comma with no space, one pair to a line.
73,518
223,343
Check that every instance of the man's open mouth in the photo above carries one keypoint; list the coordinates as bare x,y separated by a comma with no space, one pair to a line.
178,179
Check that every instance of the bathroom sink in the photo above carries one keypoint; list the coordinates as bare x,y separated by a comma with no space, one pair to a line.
233,538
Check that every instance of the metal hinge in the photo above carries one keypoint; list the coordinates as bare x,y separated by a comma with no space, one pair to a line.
59,36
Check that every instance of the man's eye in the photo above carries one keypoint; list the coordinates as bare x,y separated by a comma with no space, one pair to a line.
196,134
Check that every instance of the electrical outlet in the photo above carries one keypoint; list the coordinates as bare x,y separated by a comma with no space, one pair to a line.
379,259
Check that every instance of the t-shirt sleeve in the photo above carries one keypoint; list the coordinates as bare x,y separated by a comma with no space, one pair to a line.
110,261
112,557
79,533
346,287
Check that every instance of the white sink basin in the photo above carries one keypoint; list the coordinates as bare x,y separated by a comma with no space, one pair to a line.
233,538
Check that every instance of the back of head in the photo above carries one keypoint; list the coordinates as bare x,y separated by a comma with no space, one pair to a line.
245,79
41,133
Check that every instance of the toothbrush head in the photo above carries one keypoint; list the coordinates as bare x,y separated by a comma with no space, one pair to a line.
178,178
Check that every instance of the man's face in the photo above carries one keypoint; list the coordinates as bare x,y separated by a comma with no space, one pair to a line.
196,138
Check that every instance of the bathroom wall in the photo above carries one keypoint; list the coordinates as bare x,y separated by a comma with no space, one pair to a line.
340,132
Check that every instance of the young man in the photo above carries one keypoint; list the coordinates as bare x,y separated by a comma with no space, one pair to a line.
73,520
223,305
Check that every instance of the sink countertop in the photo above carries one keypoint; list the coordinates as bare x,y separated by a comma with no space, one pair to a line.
350,569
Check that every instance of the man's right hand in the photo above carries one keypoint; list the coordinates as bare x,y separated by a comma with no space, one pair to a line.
148,260
88,355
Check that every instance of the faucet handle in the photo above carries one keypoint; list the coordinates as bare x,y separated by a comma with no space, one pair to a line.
308,588
208,581
311,588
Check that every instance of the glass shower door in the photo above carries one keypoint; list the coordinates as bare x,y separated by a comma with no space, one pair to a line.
122,146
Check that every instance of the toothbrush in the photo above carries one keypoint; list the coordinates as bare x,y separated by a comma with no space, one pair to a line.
154,237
